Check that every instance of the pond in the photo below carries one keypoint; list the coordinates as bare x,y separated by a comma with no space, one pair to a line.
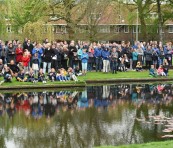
94,116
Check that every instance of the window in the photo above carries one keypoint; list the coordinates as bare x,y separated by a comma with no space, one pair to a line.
63,29
170,29
126,29
82,29
134,29
162,30
117,29
104,29
9,28
153,15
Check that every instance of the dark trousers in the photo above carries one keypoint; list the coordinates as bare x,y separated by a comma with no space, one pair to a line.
98,64
148,64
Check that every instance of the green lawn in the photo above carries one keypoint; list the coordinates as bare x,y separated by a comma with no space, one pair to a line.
167,144
129,74
92,76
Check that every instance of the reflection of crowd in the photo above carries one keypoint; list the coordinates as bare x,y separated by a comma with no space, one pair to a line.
37,104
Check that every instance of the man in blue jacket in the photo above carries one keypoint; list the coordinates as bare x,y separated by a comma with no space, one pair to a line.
98,59
105,56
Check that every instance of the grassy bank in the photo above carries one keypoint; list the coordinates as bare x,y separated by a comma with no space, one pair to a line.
91,76
120,75
166,144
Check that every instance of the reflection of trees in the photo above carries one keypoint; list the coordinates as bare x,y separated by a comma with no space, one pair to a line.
84,127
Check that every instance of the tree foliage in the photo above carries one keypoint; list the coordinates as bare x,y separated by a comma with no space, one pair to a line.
37,31
24,11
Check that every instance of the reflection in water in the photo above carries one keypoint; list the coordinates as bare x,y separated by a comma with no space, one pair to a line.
98,115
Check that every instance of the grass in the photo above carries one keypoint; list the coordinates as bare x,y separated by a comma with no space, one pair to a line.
166,144
119,75
91,76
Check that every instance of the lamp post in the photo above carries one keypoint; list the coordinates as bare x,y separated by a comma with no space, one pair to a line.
137,22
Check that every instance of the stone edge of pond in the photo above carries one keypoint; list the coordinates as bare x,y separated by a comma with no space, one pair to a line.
128,80
84,84
49,86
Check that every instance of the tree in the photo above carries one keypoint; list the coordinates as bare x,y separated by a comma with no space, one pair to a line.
143,9
96,12
71,11
24,11
3,16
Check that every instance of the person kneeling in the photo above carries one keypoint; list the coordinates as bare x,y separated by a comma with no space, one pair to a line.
72,75
41,76
160,71
7,74
138,67
152,71
21,76
52,75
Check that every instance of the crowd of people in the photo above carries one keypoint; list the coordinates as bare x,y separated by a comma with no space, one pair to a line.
64,61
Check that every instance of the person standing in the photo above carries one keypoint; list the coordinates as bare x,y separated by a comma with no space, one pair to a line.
48,54
10,53
19,53
98,59
84,59
105,55
28,46
148,57
114,59
72,53
39,51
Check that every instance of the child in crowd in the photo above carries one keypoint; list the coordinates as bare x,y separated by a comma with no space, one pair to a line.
35,64
114,57
122,64
59,76
31,77
64,74
160,71
72,75
84,59
152,71
41,76
26,60
20,65
77,71
165,67
139,66
91,59
52,75
21,76
126,62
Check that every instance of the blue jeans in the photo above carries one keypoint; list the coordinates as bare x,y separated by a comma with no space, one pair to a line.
45,64
114,65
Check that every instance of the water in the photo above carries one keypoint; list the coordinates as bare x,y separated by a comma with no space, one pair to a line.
98,115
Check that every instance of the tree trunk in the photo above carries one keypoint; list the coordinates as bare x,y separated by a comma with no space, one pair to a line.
70,32
143,29
160,20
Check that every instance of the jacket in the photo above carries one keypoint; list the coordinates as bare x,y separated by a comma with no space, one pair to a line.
105,54
97,52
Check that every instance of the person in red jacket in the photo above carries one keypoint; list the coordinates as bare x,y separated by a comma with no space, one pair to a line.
25,60
19,53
